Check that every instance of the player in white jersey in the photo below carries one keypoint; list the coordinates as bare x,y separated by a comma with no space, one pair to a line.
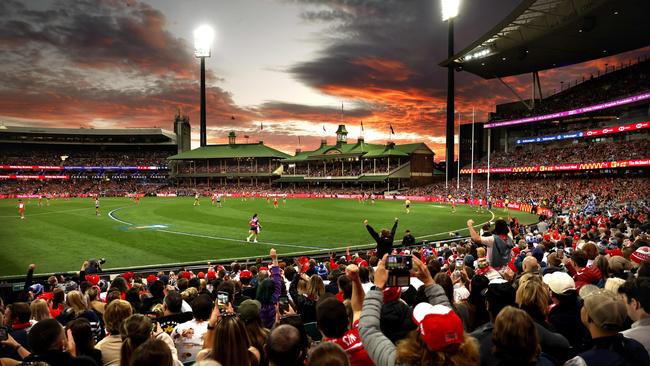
219,200
372,199
97,205
254,228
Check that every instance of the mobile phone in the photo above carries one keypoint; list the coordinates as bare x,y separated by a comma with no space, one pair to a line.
399,267
283,302
404,262
4,334
459,264
222,300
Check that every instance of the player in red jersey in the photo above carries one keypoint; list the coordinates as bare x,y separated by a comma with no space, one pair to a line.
275,202
453,204
21,209
137,198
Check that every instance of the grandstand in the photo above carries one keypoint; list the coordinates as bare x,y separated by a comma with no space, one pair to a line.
226,164
359,165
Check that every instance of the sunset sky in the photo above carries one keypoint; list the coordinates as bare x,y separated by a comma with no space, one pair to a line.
286,64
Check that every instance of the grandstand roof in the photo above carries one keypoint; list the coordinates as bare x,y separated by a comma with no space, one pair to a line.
544,34
87,131
230,151
360,148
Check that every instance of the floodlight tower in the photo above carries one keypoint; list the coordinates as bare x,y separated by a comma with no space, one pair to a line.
449,12
203,37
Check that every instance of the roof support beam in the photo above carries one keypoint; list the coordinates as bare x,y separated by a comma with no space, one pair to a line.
528,106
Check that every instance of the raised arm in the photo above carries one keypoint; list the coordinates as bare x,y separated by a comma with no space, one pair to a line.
394,229
475,237
275,275
372,231
380,349
29,279
358,295
435,293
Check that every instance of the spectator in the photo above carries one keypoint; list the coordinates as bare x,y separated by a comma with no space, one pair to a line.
172,315
516,341
268,293
16,318
136,330
604,316
47,341
283,347
188,336
249,312
636,294
439,338
499,244
564,312
385,241
83,338
582,273
306,303
77,307
328,354
115,313
39,310
475,304
153,352
408,240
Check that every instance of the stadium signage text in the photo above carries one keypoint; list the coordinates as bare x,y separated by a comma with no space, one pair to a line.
587,133
596,107
564,167
55,167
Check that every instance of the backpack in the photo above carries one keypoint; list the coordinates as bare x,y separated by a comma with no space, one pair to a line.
501,252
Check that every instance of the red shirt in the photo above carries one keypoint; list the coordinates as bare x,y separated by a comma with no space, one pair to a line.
351,344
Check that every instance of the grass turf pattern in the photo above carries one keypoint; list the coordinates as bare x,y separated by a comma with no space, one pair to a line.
61,236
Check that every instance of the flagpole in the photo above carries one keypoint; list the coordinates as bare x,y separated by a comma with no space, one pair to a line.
471,179
488,164
458,174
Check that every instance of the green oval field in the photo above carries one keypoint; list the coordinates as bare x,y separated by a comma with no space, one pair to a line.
171,230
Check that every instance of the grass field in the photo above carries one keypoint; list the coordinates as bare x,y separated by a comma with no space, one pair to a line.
171,230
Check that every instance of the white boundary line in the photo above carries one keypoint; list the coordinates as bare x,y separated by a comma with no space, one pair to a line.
49,212
112,216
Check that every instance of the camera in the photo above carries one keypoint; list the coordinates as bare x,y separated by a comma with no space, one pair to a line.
94,265
399,267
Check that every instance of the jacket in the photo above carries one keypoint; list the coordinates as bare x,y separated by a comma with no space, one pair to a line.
380,349
384,244
588,275
267,311
305,306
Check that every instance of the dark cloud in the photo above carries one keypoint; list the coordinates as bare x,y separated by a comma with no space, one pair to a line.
284,111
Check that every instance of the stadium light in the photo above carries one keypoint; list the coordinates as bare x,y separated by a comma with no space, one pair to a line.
203,37
450,9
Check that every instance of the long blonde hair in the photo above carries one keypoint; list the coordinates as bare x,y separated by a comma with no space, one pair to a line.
413,351
40,310
76,302
315,287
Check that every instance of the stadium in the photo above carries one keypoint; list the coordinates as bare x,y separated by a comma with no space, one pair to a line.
537,221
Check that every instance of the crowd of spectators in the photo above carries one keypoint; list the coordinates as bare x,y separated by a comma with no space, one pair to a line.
560,193
82,187
613,85
582,152
572,290
84,157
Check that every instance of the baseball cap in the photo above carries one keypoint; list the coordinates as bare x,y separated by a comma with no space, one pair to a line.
212,275
392,294
249,310
605,310
151,278
641,255
245,274
93,279
559,282
200,275
439,326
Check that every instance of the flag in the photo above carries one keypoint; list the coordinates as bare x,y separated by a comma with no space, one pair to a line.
246,136
392,132
232,117
298,140
324,128
261,126
361,125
